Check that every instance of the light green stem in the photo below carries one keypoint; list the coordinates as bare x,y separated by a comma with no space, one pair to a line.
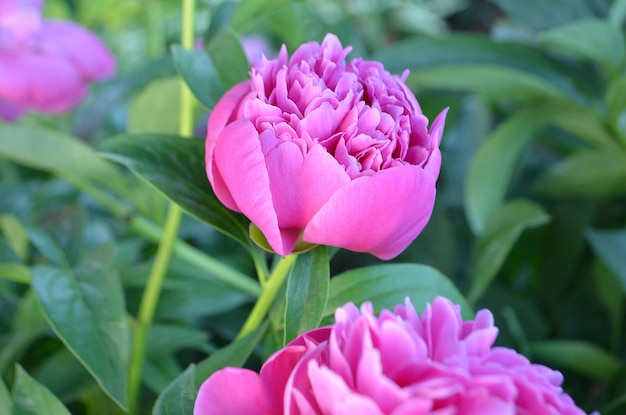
158,272
270,290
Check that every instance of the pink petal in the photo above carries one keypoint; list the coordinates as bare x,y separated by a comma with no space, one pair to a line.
43,82
433,164
79,46
232,391
246,183
380,214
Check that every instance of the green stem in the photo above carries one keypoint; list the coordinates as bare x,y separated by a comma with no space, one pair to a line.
164,252
270,290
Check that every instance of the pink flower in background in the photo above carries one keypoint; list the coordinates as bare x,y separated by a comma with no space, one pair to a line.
45,65
399,363
330,152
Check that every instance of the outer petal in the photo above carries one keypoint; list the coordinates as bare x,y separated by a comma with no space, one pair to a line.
225,111
43,82
232,391
79,46
433,164
301,185
240,176
380,214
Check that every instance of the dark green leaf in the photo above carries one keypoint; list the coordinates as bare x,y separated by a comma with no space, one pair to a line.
47,246
586,173
85,307
6,403
235,355
307,292
616,102
166,339
32,398
503,229
596,40
196,68
585,358
610,246
491,169
74,381
176,167
15,234
156,109
543,14
389,285
62,155
179,397
229,58
458,51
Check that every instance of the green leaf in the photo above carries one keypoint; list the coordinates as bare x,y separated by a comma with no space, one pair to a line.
503,229
179,397
15,234
156,108
176,167
229,58
489,80
616,103
610,247
249,11
234,355
6,403
307,292
459,51
62,155
543,14
85,308
389,285
32,398
47,246
491,169
75,380
586,173
592,39
15,272
198,71
617,13
166,339
585,358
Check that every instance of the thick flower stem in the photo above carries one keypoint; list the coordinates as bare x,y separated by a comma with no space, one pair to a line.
270,290
158,272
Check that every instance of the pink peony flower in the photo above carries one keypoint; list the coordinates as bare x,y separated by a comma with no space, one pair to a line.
399,363
328,152
45,65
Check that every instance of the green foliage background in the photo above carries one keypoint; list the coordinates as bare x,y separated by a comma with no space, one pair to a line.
530,219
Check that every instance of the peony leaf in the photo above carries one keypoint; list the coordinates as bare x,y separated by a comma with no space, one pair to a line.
229,58
14,271
249,11
586,173
32,398
453,53
491,169
15,235
610,247
502,231
198,71
62,155
593,39
388,285
616,102
543,14
179,397
490,80
6,404
585,358
307,292
175,166
155,108
85,308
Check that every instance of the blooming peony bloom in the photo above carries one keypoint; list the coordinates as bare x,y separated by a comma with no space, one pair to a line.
318,149
399,363
45,65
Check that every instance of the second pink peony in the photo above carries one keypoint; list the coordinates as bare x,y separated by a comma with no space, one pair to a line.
317,149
